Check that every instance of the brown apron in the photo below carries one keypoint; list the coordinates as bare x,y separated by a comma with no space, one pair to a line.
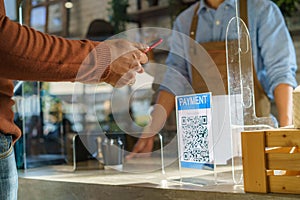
217,52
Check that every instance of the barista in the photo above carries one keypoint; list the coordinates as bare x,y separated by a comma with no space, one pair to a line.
272,49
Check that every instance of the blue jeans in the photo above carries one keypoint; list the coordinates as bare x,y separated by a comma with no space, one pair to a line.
8,169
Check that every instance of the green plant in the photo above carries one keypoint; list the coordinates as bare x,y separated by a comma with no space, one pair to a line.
287,7
118,14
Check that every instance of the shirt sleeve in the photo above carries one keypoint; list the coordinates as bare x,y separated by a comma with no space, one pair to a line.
27,54
276,49
177,78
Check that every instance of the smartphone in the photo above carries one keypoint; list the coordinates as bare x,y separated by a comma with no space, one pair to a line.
154,44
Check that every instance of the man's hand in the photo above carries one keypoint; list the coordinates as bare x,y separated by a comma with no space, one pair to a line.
126,60
143,148
161,110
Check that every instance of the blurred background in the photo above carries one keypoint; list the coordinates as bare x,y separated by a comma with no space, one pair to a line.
51,114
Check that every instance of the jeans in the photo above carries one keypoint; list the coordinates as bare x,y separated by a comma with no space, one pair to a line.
8,169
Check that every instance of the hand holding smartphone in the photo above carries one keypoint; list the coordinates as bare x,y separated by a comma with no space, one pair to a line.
154,44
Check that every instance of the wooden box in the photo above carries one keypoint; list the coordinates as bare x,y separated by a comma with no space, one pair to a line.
271,161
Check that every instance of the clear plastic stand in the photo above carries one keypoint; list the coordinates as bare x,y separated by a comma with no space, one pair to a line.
241,91
195,139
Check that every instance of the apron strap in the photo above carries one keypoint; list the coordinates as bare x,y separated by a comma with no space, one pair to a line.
244,11
194,24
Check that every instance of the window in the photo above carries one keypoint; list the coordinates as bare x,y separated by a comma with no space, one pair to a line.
48,16
11,9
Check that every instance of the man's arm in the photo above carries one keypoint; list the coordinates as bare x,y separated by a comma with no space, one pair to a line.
27,54
284,104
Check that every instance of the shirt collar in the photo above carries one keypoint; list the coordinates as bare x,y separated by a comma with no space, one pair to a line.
204,6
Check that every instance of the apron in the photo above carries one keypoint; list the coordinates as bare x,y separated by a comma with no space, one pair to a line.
217,52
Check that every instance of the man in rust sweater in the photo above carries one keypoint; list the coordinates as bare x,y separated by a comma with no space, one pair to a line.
26,54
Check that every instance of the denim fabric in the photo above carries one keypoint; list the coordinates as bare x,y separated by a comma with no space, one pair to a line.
8,170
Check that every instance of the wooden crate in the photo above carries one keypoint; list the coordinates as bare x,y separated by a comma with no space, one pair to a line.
271,161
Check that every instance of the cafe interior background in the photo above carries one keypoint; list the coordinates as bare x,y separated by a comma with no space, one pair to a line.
46,112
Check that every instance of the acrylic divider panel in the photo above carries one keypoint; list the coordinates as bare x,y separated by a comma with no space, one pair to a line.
38,115
241,91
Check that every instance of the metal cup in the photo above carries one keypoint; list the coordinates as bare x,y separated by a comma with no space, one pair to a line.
113,152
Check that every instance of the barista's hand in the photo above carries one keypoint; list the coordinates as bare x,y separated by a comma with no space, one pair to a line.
143,148
126,60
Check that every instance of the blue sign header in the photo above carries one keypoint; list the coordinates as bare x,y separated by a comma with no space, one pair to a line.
196,101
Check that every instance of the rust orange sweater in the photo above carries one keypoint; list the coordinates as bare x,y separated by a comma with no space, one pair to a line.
26,54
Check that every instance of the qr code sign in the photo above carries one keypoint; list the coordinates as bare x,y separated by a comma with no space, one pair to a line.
194,129
195,138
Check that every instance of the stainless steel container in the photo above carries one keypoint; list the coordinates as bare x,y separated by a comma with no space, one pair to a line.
113,152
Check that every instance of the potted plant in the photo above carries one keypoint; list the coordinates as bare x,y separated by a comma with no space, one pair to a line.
287,7
118,14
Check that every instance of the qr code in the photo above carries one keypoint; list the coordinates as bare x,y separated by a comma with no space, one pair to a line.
195,138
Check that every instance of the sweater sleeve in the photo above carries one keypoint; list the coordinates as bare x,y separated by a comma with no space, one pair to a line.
27,54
